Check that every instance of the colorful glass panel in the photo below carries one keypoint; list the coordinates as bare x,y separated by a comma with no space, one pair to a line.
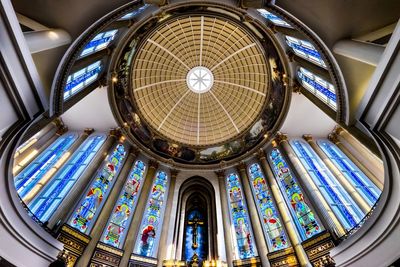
45,203
368,190
305,50
149,229
318,87
99,42
273,229
274,18
342,204
35,171
85,214
134,13
196,236
304,218
115,231
82,78
240,218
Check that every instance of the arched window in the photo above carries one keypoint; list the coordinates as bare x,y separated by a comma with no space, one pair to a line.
82,78
368,190
240,218
150,228
99,42
273,228
134,13
88,209
48,200
274,18
37,170
115,231
347,211
318,87
305,50
305,220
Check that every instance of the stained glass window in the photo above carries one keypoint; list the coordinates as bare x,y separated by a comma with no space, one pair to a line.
273,18
84,216
48,200
368,190
195,241
305,50
82,78
134,13
150,228
305,220
37,170
240,218
115,231
99,42
271,222
318,87
347,211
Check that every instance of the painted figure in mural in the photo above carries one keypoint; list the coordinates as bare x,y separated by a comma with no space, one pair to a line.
243,236
274,228
303,212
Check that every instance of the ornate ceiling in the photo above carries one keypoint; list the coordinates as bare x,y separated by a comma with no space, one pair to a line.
200,80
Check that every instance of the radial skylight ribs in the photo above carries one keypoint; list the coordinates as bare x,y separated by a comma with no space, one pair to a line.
235,53
169,52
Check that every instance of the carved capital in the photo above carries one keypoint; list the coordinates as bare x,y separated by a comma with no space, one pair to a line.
308,137
280,137
220,174
115,132
334,138
134,151
338,130
88,131
260,154
61,128
153,164
174,173
242,166
296,87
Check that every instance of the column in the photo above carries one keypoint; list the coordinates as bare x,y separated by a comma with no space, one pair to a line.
107,209
328,216
368,159
339,176
61,214
254,216
226,216
364,52
333,137
161,255
36,189
39,41
133,230
283,210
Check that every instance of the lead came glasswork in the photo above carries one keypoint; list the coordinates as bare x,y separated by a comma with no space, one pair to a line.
344,207
99,42
115,231
36,170
44,205
304,218
82,78
84,215
271,222
273,18
305,50
240,218
134,13
318,87
150,231
358,179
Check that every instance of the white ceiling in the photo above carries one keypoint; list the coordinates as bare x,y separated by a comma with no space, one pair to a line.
306,118
93,111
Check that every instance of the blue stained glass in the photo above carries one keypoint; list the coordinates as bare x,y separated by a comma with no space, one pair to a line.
195,220
115,231
303,216
82,78
34,172
271,222
45,203
274,18
149,235
134,13
342,204
87,210
240,218
319,87
305,50
99,42
358,179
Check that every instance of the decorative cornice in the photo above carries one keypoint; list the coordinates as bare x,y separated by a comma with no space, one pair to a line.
220,174
134,151
308,137
280,137
338,130
174,173
153,164
61,128
115,132
110,249
242,166
88,131
260,154
334,138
